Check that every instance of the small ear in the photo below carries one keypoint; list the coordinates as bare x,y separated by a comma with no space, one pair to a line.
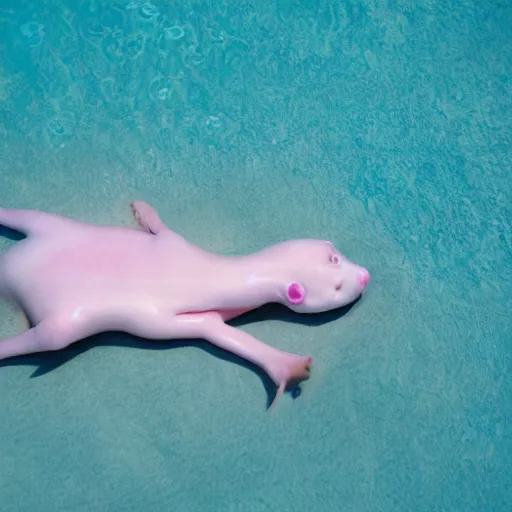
296,293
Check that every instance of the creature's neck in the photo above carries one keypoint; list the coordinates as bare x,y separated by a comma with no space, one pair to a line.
248,282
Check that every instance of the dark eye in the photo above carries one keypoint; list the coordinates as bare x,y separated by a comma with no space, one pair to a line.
335,259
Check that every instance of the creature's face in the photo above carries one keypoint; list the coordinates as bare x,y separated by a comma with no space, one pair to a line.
321,279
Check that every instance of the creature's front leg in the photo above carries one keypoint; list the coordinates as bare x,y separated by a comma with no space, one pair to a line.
283,368
147,217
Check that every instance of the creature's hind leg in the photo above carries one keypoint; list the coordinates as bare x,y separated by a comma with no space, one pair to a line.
48,335
31,221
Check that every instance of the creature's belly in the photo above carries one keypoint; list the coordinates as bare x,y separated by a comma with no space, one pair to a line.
116,271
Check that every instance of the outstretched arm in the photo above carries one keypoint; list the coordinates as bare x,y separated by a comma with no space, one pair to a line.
282,367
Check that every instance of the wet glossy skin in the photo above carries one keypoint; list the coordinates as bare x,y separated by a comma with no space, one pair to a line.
74,280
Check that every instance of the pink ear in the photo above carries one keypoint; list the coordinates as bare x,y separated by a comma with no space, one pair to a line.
296,293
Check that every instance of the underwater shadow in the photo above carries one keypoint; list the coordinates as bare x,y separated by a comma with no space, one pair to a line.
283,314
11,234
46,362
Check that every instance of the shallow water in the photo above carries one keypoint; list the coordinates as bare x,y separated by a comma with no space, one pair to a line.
383,126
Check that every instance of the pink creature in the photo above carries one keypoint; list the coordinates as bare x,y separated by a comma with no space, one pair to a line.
75,280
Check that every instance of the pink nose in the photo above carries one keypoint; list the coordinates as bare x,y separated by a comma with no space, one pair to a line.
364,277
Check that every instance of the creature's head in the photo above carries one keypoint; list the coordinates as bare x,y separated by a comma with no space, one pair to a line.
319,278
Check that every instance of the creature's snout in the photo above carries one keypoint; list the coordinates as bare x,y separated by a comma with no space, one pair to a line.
363,277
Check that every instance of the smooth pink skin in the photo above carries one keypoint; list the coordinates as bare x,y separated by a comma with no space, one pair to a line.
364,277
75,280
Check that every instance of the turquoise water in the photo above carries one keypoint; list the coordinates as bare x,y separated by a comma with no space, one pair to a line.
385,126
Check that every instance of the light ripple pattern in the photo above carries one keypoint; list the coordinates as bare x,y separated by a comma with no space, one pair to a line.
385,126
